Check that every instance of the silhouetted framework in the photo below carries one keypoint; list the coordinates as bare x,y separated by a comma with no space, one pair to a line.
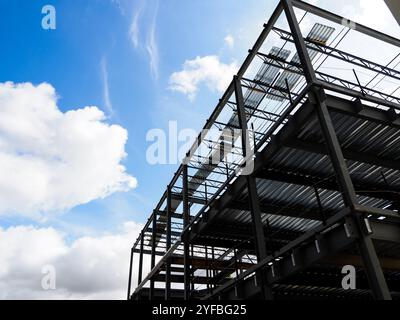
324,189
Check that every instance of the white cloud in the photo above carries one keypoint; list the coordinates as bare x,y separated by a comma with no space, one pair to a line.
52,161
229,41
87,268
106,89
208,69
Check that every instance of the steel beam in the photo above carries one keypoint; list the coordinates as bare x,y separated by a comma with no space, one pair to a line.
356,108
311,180
339,19
329,81
281,210
343,56
348,154
148,252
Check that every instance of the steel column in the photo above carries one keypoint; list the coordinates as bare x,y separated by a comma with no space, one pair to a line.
130,275
186,220
366,247
153,253
257,224
168,246
258,227
367,250
370,259
140,272
334,149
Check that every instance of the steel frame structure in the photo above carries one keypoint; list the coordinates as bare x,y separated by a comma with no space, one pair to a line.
236,236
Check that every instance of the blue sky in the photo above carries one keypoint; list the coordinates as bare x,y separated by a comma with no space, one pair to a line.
124,57
95,35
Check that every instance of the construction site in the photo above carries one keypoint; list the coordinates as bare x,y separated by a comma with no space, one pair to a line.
310,184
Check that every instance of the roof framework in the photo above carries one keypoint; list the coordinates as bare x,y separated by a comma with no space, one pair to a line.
324,186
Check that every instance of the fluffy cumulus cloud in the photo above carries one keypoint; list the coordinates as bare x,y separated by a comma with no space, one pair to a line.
52,160
208,70
87,268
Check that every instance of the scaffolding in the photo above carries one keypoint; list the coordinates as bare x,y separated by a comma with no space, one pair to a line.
323,141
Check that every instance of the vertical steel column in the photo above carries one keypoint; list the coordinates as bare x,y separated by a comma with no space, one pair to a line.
366,247
192,287
236,262
317,96
321,209
257,224
168,246
213,272
153,253
208,275
130,276
140,272
186,220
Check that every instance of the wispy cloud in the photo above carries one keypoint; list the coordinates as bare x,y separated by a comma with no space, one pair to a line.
149,46
152,46
106,89
134,31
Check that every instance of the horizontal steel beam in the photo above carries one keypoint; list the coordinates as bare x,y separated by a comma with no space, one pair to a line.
340,20
310,180
176,278
342,55
348,154
280,210
389,232
359,110
147,251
